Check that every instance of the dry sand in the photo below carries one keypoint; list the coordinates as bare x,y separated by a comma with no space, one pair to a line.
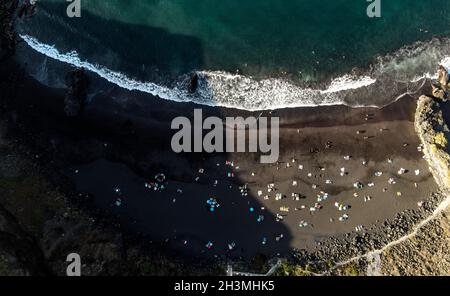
182,219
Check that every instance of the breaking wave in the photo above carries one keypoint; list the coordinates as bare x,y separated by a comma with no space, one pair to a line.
390,77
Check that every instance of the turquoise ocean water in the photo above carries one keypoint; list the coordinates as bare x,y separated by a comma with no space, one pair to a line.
277,47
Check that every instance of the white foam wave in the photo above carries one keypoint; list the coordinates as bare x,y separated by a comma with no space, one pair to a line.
111,76
348,82
219,88
223,89
243,92
414,62
445,62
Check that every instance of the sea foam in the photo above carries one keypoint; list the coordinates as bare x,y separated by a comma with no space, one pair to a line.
223,89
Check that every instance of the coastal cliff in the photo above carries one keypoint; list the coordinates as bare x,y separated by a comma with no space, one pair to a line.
426,252
434,133
54,220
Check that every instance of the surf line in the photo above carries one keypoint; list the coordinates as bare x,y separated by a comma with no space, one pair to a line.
286,94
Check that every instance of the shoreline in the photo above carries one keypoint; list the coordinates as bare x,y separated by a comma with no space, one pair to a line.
227,90
140,111
357,189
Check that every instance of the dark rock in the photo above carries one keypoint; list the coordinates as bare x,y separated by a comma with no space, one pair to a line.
438,93
75,99
8,36
26,9
193,83
443,77
19,251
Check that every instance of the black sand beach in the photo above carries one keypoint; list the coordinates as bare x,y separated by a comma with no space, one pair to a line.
123,140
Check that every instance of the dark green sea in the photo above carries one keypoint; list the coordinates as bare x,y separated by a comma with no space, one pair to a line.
287,53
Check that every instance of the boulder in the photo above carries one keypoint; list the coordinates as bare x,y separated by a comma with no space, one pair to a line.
193,83
438,92
443,78
27,9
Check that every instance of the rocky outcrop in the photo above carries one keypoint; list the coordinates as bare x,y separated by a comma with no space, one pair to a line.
193,83
433,133
75,99
19,251
27,9
438,92
9,11
443,78
427,253
7,32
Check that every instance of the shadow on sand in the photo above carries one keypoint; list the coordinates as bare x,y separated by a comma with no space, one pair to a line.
122,144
